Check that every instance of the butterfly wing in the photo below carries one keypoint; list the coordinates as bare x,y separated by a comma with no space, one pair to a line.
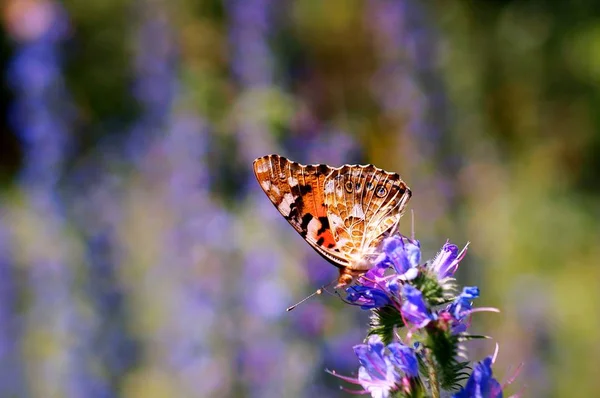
363,204
296,190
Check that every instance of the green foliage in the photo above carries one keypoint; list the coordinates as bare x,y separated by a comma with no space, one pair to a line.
428,284
444,347
416,390
384,321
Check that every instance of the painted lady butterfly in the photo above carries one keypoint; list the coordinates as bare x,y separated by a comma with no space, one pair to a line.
342,212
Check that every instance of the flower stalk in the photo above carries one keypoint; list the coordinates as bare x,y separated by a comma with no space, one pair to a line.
434,384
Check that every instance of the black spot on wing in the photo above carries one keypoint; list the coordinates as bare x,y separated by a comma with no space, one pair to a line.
320,241
296,209
324,225
323,169
298,203
304,224
304,189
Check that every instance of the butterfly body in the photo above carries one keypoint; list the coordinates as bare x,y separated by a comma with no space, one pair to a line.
342,212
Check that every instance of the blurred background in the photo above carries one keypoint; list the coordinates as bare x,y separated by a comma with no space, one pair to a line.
139,258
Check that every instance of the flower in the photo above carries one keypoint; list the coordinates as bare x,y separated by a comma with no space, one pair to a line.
383,371
481,384
367,297
461,307
394,285
446,262
376,374
424,300
403,256
371,356
404,358
375,277
414,309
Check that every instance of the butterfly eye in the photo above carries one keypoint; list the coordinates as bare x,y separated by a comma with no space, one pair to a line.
381,191
348,186
357,186
369,186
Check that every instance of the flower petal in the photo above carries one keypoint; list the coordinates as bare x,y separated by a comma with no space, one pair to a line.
462,306
443,263
413,252
367,297
414,309
375,387
404,358
371,357
470,292
395,250
481,383
373,278
446,262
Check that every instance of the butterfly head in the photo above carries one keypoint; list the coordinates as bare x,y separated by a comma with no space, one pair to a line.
345,279
349,274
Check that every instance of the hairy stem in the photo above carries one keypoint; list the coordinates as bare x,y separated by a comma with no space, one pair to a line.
431,370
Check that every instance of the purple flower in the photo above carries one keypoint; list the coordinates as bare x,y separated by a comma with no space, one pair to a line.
394,285
481,384
404,358
371,355
403,256
367,297
375,278
461,307
414,309
376,374
446,262
382,372
458,328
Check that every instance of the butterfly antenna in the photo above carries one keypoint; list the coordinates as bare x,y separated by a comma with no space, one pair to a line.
327,286
318,291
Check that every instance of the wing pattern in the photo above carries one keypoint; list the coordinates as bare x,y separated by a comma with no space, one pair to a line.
296,191
343,212
363,203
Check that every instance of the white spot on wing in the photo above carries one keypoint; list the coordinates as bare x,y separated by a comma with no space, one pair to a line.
292,181
313,227
266,185
329,187
341,242
284,206
262,167
357,211
336,221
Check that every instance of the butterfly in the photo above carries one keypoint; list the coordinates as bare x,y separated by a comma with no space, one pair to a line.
341,212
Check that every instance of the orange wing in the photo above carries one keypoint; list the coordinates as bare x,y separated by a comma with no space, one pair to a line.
296,190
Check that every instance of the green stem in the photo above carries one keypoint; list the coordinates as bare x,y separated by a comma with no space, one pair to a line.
431,369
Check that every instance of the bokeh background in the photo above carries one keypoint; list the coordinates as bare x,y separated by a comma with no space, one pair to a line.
139,258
